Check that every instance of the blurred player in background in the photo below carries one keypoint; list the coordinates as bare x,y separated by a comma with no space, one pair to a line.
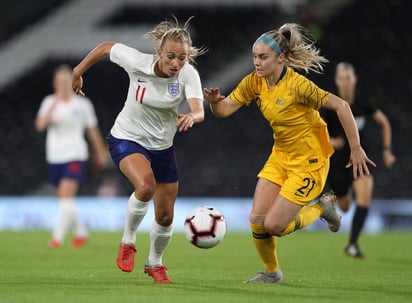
340,179
296,171
141,140
67,117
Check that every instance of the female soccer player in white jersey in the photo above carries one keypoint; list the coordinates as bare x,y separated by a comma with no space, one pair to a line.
141,140
67,117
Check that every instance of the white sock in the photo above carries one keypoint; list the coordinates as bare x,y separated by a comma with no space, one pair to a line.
79,229
159,239
65,219
136,210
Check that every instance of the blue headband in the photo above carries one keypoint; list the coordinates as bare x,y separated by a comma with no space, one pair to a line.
269,41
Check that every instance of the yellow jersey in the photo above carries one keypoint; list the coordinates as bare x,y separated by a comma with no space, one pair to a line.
291,108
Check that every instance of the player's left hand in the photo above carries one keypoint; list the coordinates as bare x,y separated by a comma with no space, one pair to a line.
77,84
388,158
184,122
359,162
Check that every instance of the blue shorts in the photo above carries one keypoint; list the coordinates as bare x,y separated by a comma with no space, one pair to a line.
71,170
163,162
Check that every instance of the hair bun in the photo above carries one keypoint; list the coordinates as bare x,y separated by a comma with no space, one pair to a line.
287,34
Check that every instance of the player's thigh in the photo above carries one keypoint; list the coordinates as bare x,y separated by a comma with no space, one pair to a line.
67,177
271,178
280,214
137,169
302,187
164,200
363,190
265,195
67,188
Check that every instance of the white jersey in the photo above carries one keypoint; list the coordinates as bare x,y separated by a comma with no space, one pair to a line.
150,112
65,140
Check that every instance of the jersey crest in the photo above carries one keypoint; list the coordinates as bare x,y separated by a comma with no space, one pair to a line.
173,89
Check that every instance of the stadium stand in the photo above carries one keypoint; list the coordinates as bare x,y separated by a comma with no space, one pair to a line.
15,16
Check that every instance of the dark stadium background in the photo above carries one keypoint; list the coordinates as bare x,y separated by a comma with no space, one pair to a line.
218,158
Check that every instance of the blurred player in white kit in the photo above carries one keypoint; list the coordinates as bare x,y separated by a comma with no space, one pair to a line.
67,118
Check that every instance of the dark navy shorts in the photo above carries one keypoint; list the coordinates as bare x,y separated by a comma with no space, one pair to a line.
163,162
71,170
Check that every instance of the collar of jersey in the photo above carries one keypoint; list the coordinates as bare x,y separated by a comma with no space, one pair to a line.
282,74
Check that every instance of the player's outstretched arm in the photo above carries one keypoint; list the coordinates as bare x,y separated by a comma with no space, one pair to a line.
220,105
101,51
358,158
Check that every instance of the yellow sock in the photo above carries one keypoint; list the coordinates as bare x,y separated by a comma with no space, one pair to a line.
306,216
266,246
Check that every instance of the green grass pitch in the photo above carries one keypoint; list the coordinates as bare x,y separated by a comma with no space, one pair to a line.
314,267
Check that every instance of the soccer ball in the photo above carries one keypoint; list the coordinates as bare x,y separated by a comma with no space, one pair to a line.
205,227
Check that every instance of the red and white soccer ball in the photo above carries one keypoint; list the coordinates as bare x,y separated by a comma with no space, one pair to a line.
205,227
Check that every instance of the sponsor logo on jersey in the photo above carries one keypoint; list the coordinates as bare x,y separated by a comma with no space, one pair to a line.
173,89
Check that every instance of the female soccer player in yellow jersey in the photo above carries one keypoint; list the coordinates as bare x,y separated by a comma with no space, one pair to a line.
296,171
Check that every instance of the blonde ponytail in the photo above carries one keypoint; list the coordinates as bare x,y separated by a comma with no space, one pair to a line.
170,30
299,48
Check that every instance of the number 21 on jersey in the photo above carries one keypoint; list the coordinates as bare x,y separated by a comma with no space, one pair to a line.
305,190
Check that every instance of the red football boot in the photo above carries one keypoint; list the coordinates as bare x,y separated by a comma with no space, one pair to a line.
158,273
78,242
53,243
125,258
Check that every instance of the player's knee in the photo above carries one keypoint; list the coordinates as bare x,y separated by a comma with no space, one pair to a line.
274,228
144,189
344,203
256,219
164,218
344,207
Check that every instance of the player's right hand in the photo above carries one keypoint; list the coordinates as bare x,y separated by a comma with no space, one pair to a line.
212,95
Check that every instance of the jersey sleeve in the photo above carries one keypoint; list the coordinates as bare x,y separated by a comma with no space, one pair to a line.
193,86
244,92
309,94
90,114
45,105
125,56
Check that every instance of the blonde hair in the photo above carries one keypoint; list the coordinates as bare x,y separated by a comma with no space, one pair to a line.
170,30
298,46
